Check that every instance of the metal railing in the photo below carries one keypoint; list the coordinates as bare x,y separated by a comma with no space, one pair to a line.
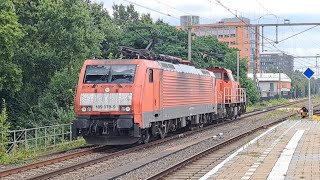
234,95
47,136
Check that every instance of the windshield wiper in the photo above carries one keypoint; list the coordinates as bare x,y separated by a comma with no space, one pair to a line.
102,77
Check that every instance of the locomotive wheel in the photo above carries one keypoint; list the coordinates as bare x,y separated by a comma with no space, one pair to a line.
145,136
162,134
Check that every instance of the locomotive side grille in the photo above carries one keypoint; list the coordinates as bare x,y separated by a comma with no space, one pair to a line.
186,90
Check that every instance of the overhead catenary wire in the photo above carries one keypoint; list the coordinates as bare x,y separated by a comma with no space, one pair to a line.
249,26
166,14
311,39
185,12
294,35
253,31
269,41
297,33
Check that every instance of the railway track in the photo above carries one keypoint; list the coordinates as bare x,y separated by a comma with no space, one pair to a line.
111,155
49,161
191,167
196,163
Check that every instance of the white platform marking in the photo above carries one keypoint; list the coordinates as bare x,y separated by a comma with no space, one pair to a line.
281,167
269,149
215,169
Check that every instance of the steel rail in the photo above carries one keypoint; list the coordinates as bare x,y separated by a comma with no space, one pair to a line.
214,148
49,161
132,149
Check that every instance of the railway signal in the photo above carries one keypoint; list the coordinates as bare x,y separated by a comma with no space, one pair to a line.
308,73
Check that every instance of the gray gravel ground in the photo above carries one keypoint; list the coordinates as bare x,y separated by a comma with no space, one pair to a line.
229,130
56,166
43,158
158,166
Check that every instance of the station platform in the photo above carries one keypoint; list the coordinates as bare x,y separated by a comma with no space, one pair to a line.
290,150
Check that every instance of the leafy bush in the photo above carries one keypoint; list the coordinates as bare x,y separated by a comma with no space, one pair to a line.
4,128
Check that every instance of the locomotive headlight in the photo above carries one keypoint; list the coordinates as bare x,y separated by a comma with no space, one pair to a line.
128,108
83,109
125,108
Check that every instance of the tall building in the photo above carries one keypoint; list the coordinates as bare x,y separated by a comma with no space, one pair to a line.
275,61
235,33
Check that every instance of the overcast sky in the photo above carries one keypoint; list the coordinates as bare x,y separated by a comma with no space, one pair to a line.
258,11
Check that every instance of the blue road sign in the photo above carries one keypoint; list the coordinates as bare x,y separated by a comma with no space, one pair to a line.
308,73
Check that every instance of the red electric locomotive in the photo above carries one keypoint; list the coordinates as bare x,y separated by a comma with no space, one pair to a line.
121,102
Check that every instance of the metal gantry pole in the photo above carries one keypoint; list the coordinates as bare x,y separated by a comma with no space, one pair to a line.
309,101
262,39
189,43
238,66
317,71
279,83
254,71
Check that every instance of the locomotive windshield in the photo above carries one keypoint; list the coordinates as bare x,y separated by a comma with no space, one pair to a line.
218,75
96,74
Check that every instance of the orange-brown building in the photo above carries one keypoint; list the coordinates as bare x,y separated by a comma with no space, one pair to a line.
237,34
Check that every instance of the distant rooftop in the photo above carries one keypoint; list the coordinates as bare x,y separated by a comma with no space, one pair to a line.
273,53
270,77
226,20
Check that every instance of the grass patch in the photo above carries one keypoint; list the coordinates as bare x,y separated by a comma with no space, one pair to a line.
272,102
20,155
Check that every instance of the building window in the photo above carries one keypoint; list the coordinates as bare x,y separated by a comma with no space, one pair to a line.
232,35
232,43
271,87
220,36
226,36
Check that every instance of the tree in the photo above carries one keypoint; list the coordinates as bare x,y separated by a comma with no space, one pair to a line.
56,104
124,14
60,35
299,83
10,34
10,71
208,52
4,126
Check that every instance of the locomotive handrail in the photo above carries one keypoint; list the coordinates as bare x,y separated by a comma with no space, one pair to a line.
232,95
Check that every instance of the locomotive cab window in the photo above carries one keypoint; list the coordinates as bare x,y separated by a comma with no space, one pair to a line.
98,74
218,75
151,75
225,77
